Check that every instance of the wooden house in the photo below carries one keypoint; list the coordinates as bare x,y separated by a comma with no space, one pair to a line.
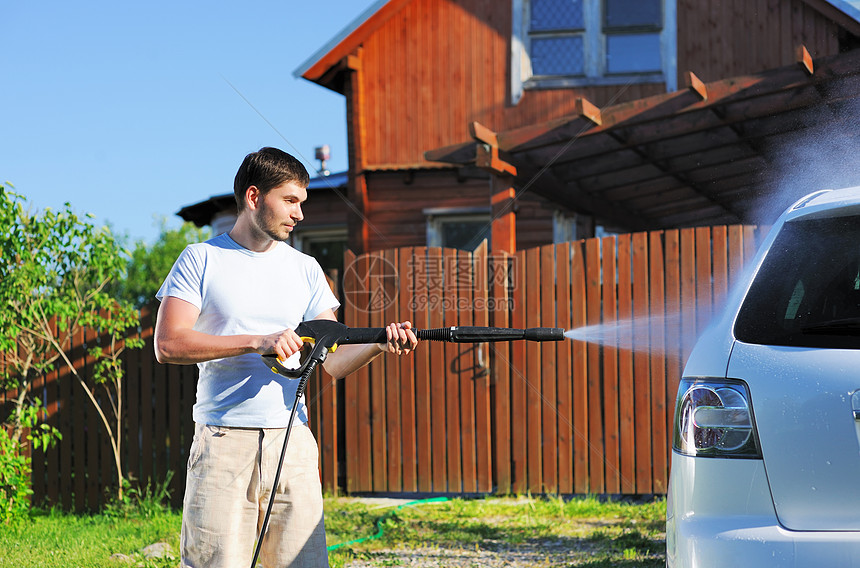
533,121
530,122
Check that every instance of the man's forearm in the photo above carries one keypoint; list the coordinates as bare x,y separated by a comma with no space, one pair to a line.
347,359
188,346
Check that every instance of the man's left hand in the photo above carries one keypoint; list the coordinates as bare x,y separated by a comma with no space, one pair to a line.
401,338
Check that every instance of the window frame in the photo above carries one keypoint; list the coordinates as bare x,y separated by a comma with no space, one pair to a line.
594,46
302,239
438,216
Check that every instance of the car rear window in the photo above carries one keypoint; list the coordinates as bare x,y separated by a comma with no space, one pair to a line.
807,292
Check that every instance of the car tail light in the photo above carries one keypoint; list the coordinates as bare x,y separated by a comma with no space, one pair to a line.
713,418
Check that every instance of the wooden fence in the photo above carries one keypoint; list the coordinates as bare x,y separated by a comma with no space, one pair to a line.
567,417
79,472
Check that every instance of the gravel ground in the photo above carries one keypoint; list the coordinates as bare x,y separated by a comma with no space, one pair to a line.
567,552
494,555
440,557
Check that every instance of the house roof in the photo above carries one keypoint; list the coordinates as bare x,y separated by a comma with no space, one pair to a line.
350,37
202,212
731,151
850,7
846,13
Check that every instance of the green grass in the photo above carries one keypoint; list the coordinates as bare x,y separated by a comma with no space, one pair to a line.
544,532
583,532
54,539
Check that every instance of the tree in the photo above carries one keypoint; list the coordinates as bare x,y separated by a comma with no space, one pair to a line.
147,266
54,270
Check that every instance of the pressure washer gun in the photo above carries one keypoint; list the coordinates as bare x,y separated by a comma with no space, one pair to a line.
326,335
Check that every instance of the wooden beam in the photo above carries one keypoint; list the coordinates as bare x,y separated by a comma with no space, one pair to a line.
483,134
487,158
463,153
695,85
348,63
804,59
358,227
487,151
559,130
503,232
586,109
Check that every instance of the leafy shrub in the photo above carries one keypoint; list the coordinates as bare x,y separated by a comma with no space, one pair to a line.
14,479
141,502
15,465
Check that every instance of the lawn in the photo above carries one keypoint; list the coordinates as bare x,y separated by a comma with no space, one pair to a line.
508,531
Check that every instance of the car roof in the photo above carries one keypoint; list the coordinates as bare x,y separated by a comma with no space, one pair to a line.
826,203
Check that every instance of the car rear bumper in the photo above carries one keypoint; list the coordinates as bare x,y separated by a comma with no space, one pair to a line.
724,516
703,543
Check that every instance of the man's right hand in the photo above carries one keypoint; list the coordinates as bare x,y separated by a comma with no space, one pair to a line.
283,344
176,340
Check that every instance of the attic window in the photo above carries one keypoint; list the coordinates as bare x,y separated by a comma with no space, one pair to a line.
570,43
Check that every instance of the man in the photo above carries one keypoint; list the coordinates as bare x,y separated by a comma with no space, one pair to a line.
224,303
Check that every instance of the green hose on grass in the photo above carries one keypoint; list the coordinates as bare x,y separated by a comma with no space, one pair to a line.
382,520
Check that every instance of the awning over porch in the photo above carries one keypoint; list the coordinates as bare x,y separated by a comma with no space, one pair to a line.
736,150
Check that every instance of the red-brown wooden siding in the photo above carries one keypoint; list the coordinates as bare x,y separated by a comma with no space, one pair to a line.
438,65
397,201
717,40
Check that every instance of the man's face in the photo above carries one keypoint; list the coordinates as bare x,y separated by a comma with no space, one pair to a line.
280,209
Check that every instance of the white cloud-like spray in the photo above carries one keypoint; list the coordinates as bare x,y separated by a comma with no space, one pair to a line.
822,153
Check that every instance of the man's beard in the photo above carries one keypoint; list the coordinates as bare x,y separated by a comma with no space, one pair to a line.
267,225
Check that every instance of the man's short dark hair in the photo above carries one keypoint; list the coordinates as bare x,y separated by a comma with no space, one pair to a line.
267,169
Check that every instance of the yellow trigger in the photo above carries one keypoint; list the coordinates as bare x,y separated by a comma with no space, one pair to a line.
313,341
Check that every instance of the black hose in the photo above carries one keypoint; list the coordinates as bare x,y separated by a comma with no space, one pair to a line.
300,390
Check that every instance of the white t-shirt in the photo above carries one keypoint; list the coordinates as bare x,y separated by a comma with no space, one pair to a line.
239,291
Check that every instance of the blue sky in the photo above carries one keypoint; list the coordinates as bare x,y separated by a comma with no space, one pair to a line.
126,110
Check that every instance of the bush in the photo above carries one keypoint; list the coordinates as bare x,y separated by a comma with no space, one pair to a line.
141,502
15,465
15,473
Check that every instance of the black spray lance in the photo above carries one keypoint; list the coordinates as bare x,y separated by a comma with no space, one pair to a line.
326,335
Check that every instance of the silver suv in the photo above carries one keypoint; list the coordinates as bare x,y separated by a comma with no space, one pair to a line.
766,451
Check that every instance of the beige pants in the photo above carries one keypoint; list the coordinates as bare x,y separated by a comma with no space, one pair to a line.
229,483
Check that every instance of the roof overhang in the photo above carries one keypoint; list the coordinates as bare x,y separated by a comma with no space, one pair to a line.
845,13
706,154
203,212
318,66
